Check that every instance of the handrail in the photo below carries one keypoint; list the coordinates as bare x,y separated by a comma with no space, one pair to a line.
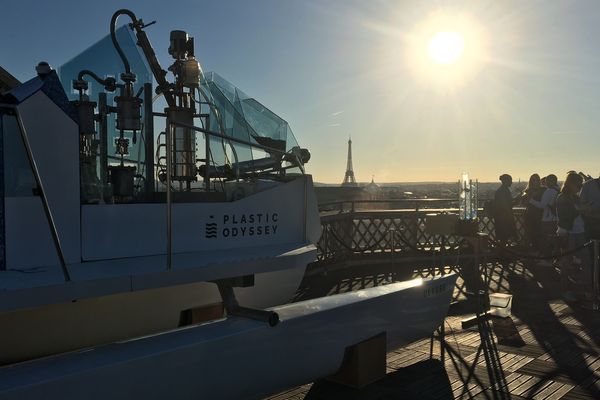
42,192
415,202
230,138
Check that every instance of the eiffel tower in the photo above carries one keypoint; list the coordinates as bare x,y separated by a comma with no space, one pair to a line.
349,177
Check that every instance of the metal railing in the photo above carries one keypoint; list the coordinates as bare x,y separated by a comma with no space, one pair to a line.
389,204
400,231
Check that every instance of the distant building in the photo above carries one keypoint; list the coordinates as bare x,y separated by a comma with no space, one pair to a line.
373,189
349,179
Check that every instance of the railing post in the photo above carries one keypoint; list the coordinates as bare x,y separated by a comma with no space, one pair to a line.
393,244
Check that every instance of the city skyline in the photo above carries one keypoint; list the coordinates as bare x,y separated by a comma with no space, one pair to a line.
516,92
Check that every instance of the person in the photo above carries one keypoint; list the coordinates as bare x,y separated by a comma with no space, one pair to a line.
549,219
590,209
571,232
532,218
504,220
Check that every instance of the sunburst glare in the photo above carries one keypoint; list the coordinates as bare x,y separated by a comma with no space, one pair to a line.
446,47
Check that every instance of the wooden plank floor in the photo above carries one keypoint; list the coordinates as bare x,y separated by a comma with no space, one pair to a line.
547,349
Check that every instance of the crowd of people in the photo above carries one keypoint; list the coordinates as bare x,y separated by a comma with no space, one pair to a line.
556,218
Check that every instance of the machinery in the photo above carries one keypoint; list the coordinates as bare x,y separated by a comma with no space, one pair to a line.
187,101
133,263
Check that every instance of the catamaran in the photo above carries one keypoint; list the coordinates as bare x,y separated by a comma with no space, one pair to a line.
151,254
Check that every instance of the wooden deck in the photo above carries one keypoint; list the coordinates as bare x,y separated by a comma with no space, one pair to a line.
548,349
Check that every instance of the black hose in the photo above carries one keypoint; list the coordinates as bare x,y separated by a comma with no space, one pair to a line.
113,34
91,74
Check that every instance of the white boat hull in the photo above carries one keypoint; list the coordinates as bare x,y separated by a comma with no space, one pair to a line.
42,331
238,358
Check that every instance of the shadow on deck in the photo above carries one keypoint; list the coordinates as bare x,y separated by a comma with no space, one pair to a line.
548,349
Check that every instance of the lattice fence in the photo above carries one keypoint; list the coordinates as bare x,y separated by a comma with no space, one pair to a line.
398,231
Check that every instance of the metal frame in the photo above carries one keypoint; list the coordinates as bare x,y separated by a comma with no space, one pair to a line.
41,192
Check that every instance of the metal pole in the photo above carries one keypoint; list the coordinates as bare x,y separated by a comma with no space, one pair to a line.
42,193
207,156
170,134
595,275
305,209
149,134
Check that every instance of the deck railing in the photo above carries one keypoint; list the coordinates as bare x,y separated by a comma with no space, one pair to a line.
400,231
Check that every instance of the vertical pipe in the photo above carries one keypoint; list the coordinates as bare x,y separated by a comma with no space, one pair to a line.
207,156
149,139
305,210
42,193
2,210
103,131
170,134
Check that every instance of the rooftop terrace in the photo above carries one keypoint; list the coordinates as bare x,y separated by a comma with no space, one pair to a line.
548,349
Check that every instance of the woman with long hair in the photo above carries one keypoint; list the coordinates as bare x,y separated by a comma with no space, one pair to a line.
532,218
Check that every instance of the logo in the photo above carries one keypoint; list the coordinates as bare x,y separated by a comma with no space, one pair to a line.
242,225
210,229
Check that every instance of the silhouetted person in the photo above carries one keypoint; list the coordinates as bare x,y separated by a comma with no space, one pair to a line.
590,208
504,220
532,219
571,232
549,218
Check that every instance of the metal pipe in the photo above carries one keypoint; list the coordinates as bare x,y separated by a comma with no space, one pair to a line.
113,35
207,155
103,132
270,317
149,133
170,129
305,210
229,138
234,309
42,193
94,76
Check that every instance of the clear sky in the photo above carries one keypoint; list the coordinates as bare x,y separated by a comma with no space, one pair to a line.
522,96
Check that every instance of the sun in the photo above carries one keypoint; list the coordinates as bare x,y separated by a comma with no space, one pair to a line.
446,48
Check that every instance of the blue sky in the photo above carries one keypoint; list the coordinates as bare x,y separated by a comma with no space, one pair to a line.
529,103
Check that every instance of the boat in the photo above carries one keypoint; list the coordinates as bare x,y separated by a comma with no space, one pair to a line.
143,264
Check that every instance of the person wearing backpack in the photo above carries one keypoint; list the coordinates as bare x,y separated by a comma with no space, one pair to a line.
571,232
549,218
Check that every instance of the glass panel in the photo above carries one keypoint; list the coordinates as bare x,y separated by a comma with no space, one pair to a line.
18,177
245,118
102,59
